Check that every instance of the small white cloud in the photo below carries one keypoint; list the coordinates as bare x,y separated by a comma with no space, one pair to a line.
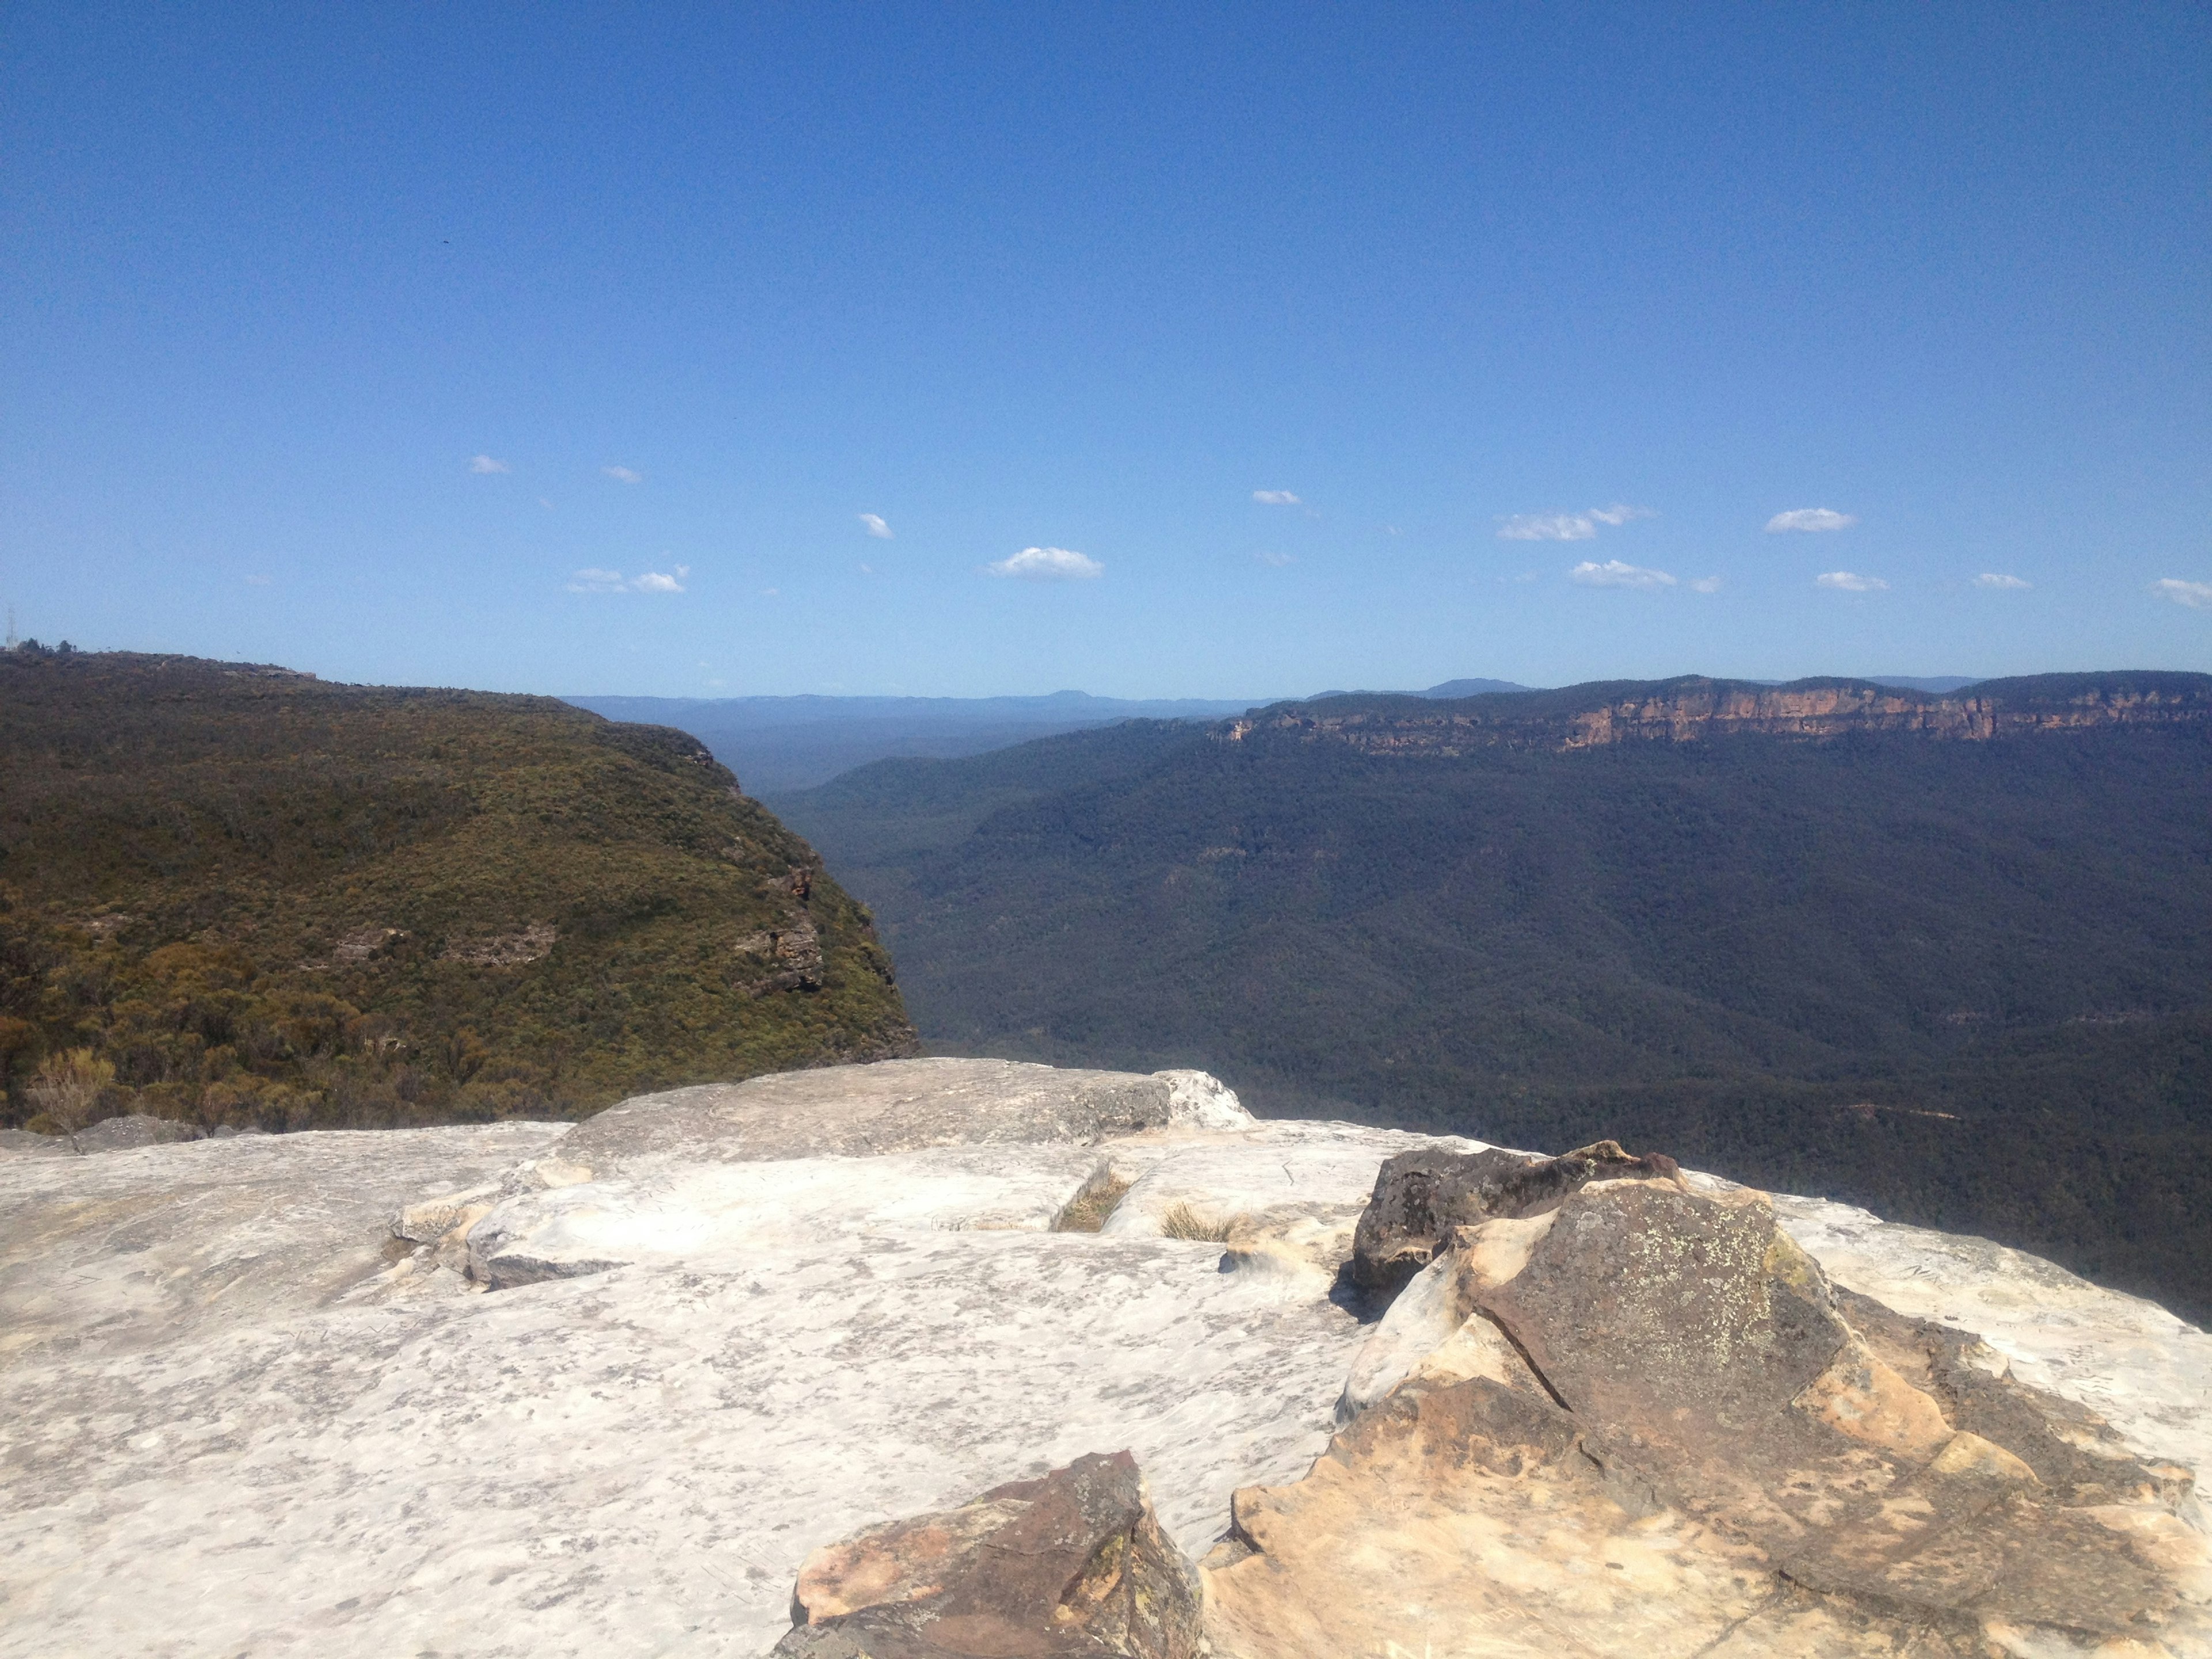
596,581
485,464
1049,563
257,582
2009,584
1276,498
875,526
1850,582
1568,526
1278,560
866,570
1547,527
2197,596
654,581
1613,573
1809,517
1706,585
622,475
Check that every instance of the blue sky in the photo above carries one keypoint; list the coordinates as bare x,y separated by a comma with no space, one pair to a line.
565,350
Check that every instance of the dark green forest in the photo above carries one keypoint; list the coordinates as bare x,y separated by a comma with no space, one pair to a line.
268,902
1966,983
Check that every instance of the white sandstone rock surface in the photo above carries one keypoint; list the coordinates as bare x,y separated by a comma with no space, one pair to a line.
615,1382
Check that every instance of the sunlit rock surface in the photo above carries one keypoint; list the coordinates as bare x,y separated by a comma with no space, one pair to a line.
523,1390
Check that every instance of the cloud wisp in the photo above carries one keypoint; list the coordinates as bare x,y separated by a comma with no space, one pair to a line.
1809,518
486,463
1277,560
1614,574
1276,498
1706,585
622,475
2002,583
1048,564
1850,582
875,526
595,581
2197,596
1568,526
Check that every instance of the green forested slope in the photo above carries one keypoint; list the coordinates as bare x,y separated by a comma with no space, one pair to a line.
269,901
1969,983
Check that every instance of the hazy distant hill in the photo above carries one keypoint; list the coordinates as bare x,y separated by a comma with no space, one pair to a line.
1951,955
268,899
776,744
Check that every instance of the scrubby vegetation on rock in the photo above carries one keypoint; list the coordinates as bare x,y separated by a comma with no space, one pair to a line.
269,902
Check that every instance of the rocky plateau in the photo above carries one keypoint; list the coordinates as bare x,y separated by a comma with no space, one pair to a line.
938,1357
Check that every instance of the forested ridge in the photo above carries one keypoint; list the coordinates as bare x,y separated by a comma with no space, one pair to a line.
1966,982
263,901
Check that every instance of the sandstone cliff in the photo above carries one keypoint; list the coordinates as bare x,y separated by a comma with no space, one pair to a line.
1692,707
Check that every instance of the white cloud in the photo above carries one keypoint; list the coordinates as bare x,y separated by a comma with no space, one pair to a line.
611,581
485,464
1278,560
1613,573
1809,517
1547,527
1850,582
2197,596
1568,526
2009,584
1706,585
1275,498
875,526
1049,563
622,475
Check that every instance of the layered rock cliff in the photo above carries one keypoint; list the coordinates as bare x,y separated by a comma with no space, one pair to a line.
866,1345
1693,707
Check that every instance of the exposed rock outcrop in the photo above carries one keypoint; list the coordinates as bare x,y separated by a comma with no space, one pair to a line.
1073,1565
253,1401
1655,1429
893,1106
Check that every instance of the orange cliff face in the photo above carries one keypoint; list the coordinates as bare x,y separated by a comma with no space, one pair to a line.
1684,711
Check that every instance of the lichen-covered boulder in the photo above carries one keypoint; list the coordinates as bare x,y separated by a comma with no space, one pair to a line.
1421,1195
1073,1564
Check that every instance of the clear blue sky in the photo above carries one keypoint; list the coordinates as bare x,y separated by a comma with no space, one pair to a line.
347,338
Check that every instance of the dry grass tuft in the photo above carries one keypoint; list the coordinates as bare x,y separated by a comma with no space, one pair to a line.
1183,1222
1087,1211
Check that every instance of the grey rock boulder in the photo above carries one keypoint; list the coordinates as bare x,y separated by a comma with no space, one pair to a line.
1071,1565
1421,1195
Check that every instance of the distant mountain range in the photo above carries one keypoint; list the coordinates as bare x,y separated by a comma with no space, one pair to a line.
1949,956
779,743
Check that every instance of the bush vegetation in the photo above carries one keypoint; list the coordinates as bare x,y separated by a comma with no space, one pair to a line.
267,902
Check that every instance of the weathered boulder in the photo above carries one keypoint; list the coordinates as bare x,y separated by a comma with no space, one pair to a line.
1655,1428
894,1106
1421,1195
1071,1565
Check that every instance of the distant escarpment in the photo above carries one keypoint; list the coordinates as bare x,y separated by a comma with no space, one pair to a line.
246,898
1692,707
1962,982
